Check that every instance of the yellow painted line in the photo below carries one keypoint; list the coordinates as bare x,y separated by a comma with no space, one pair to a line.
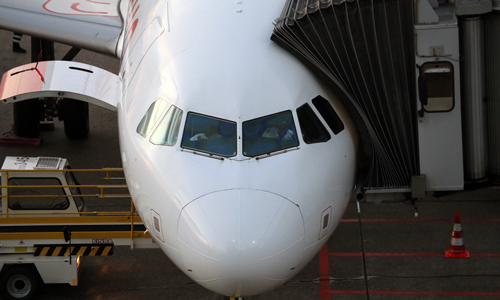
82,250
20,249
74,235
93,251
44,251
66,170
56,251
102,196
106,250
73,220
100,186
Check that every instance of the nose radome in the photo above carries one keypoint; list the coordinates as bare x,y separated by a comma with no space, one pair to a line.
241,242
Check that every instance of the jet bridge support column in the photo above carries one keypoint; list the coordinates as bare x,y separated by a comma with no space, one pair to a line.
473,96
492,49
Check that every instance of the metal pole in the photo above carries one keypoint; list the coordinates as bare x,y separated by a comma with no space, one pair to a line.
473,98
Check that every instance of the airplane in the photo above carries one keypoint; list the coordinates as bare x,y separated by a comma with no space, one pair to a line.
239,160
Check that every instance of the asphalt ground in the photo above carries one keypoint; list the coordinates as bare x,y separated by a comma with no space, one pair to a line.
382,248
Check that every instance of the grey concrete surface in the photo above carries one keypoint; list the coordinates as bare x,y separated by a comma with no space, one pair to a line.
149,274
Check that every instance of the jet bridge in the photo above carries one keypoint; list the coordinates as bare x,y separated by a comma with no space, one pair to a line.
411,75
365,56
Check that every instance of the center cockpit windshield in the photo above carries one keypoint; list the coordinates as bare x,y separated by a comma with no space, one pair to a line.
219,137
210,135
214,136
269,134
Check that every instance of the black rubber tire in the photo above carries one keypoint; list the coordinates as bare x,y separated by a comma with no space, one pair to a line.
27,118
20,282
76,118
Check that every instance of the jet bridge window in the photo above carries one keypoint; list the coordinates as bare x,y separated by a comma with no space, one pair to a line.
436,87
329,114
47,195
313,131
268,134
152,115
209,135
167,131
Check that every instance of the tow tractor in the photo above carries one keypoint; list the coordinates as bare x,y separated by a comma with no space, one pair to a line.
46,229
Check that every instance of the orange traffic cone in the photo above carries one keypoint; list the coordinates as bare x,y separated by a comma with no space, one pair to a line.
457,247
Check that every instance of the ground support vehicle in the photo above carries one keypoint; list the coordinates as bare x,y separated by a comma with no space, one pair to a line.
45,230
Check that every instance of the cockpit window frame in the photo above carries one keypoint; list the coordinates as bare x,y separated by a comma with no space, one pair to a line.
200,142
146,126
166,132
312,128
329,114
287,140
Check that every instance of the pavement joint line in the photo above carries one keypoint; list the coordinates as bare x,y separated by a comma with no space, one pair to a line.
438,293
388,254
417,220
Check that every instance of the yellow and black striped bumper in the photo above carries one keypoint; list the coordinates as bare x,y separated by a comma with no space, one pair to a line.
75,249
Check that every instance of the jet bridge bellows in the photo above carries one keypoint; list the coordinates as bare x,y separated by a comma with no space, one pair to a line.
364,50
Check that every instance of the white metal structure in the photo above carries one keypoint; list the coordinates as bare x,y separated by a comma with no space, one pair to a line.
440,134
242,212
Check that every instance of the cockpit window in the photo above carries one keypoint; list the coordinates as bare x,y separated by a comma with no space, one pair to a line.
168,130
268,134
329,114
210,135
152,115
312,129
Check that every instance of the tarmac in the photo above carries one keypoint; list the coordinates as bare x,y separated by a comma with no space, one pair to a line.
379,251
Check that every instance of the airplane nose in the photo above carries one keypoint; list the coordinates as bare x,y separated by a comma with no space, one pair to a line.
241,242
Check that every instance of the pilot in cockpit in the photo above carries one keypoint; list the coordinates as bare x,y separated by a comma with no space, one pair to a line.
279,128
209,131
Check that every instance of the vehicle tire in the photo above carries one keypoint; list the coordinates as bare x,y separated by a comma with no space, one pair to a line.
76,118
27,118
19,282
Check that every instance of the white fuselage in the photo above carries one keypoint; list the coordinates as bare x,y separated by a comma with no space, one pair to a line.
237,225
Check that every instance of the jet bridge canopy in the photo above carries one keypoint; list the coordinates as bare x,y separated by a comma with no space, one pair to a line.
364,50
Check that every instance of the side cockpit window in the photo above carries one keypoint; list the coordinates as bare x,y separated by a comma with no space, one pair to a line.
167,132
312,129
210,135
329,114
152,115
268,134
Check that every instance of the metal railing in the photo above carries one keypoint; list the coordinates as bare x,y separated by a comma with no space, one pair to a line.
44,215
